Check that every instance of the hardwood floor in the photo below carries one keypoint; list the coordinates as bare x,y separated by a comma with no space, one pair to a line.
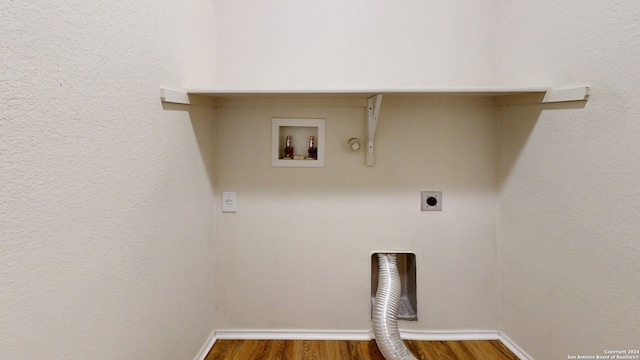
354,350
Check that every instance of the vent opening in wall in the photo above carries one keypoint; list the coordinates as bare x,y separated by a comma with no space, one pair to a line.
408,309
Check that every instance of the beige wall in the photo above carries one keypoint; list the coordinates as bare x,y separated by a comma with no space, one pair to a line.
567,222
296,254
319,44
106,241
568,238
111,229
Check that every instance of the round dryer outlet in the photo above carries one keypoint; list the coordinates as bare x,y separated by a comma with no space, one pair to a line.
431,201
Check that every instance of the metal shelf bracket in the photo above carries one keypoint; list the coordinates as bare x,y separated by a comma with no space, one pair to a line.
373,110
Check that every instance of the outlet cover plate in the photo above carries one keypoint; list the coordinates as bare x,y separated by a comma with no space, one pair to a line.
229,201
431,201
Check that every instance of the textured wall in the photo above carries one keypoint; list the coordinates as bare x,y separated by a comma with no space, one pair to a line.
569,249
105,198
297,253
352,44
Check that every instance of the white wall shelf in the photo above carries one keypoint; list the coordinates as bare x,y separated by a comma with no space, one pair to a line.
366,93
372,99
548,94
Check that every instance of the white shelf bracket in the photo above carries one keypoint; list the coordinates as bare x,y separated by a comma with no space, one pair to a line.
174,96
572,94
373,109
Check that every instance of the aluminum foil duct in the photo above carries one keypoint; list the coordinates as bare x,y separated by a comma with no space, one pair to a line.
385,310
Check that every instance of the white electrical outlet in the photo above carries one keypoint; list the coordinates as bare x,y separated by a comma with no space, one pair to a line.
229,202
431,201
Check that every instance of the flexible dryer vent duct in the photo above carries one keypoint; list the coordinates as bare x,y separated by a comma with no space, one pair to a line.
385,310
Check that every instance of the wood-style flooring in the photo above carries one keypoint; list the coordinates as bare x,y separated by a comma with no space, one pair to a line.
354,350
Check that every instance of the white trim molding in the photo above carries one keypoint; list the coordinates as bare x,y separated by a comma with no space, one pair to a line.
278,334
449,335
515,349
204,351
294,334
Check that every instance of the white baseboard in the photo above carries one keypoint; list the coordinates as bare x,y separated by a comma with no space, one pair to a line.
449,335
256,334
294,334
515,349
204,351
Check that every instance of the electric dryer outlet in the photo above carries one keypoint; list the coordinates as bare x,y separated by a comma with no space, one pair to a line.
431,201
